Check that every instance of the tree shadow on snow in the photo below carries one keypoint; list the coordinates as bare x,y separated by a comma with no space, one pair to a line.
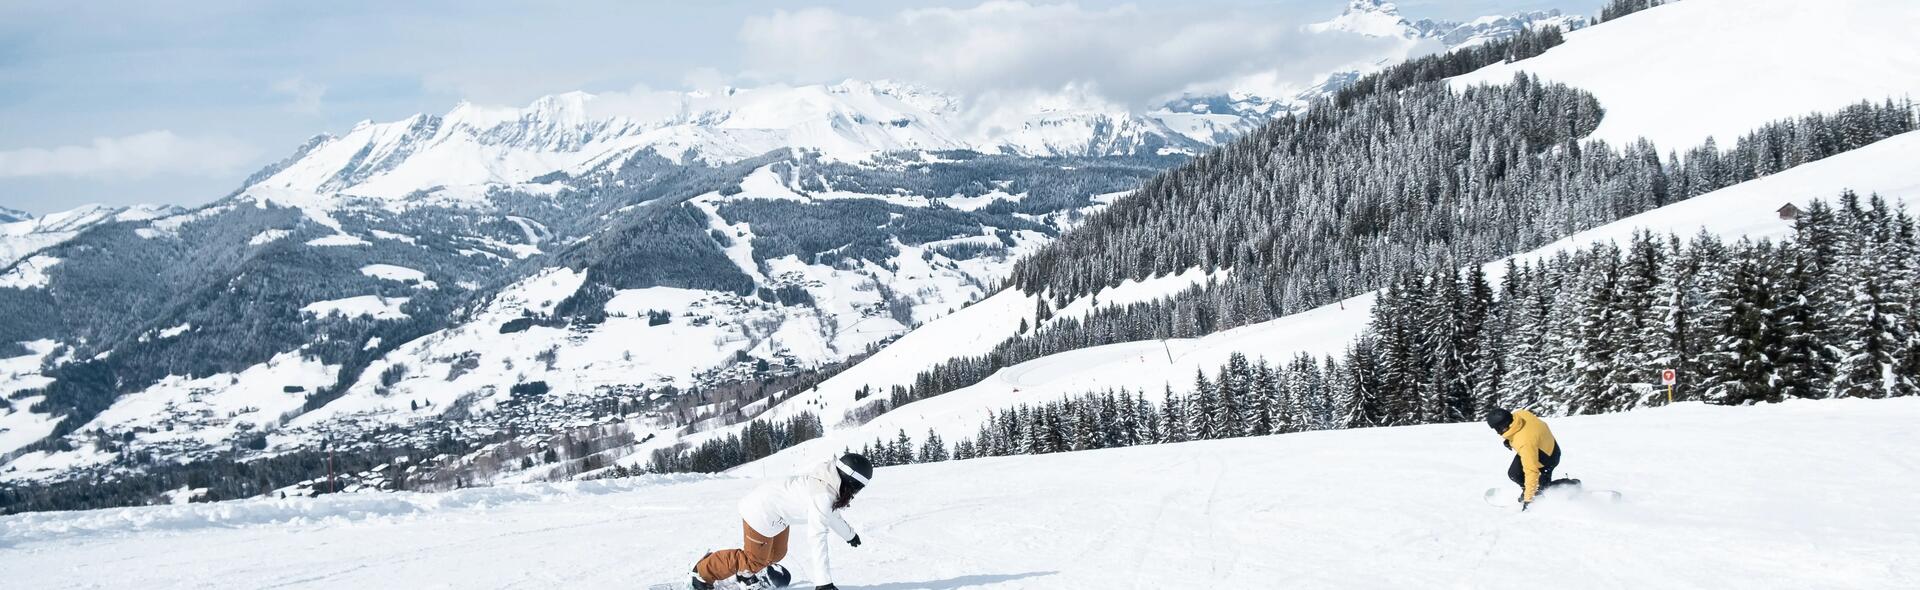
954,583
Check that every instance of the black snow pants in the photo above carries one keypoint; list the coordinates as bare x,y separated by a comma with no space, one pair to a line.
1518,473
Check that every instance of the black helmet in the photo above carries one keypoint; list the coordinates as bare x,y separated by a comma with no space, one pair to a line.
855,471
1499,420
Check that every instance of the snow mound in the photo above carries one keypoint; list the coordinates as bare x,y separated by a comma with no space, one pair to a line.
1686,71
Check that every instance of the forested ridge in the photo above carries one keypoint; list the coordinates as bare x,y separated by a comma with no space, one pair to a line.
1259,289
1830,313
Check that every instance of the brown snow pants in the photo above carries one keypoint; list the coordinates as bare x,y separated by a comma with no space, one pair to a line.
756,552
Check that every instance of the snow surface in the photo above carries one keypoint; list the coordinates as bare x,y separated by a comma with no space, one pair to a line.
29,274
1130,292
367,306
399,274
192,413
1682,72
338,240
23,237
1826,503
387,235
268,237
166,333
19,426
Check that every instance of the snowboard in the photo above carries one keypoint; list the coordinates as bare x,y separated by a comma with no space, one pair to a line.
682,585
1504,496
724,584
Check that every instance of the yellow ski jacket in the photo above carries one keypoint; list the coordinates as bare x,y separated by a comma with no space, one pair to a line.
1530,438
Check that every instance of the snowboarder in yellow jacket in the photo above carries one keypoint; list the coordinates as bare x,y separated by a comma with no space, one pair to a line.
1536,453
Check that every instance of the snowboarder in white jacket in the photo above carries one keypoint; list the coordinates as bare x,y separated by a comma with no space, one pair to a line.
813,500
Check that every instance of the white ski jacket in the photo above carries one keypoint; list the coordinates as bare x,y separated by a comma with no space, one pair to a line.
802,499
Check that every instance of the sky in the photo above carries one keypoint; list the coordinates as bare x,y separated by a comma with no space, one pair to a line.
167,101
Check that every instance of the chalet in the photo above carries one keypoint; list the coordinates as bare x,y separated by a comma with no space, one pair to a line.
1789,212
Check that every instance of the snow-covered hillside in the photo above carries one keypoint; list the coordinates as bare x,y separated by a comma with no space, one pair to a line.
21,234
1686,71
1746,209
1825,503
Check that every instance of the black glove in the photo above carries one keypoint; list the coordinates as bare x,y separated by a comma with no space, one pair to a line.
855,541
826,587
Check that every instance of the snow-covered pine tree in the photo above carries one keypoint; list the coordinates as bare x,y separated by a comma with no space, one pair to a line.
1173,418
902,449
1234,386
1363,371
1599,335
1637,365
1740,363
1440,345
1147,430
1869,323
1203,409
1400,369
933,450
1259,409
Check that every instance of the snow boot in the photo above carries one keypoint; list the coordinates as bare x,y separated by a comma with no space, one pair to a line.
694,581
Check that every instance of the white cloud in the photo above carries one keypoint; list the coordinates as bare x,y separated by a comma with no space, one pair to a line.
1128,54
138,155
303,96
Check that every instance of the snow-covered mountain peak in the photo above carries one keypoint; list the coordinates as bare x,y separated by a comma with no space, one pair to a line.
1377,18
1373,18
579,133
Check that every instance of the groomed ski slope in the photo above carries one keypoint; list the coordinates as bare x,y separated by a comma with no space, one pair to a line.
1806,494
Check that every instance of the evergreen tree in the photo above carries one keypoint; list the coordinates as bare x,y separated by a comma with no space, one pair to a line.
1173,419
1204,415
933,450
